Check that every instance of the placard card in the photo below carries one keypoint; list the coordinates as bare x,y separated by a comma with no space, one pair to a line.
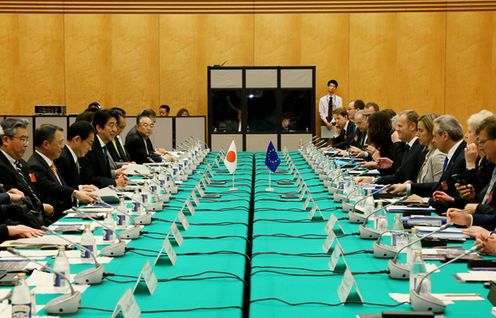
127,305
312,211
307,202
208,180
331,225
195,198
177,234
302,194
203,181
183,219
209,169
191,209
348,289
337,264
149,277
200,190
331,237
169,250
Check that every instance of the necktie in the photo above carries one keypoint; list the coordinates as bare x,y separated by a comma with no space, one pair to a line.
445,165
329,111
26,183
117,150
489,193
53,167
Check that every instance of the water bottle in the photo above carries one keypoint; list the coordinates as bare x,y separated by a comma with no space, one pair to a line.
22,306
61,265
136,199
381,221
369,204
107,232
87,241
412,249
417,273
398,239
121,215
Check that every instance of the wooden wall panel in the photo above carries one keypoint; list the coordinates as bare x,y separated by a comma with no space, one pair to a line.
9,60
190,43
88,54
471,63
32,54
318,39
398,60
135,62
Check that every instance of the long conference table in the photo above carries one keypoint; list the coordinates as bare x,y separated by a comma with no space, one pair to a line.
253,253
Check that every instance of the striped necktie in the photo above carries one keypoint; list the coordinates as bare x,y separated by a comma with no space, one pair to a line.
18,166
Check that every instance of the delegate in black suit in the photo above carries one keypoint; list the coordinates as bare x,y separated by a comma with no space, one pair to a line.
68,169
446,183
409,167
31,204
95,168
49,189
135,146
346,136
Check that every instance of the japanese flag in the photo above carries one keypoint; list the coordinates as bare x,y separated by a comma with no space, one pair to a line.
231,160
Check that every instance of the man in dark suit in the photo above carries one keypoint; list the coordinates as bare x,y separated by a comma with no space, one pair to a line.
80,138
14,172
49,184
448,138
138,145
95,167
347,129
414,154
115,146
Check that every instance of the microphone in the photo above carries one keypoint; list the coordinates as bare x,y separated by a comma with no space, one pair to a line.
131,233
428,302
368,233
402,271
91,276
142,219
359,218
114,249
385,251
65,304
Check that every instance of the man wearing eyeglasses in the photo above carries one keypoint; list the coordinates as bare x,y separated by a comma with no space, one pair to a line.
14,172
138,144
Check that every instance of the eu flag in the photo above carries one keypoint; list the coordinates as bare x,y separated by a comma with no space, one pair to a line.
272,160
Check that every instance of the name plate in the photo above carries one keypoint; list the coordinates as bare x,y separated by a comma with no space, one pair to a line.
169,251
307,202
148,275
311,214
183,219
200,190
331,237
127,306
195,198
209,169
348,289
191,209
331,225
177,234
337,264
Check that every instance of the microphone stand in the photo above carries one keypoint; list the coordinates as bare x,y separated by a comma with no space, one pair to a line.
91,276
65,304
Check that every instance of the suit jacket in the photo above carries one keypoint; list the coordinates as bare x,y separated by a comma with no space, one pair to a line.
31,205
409,167
68,169
120,154
137,147
95,168
346,137
49,189
432,168
446,183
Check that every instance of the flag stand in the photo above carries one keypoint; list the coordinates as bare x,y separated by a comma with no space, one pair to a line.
269,189
233,188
